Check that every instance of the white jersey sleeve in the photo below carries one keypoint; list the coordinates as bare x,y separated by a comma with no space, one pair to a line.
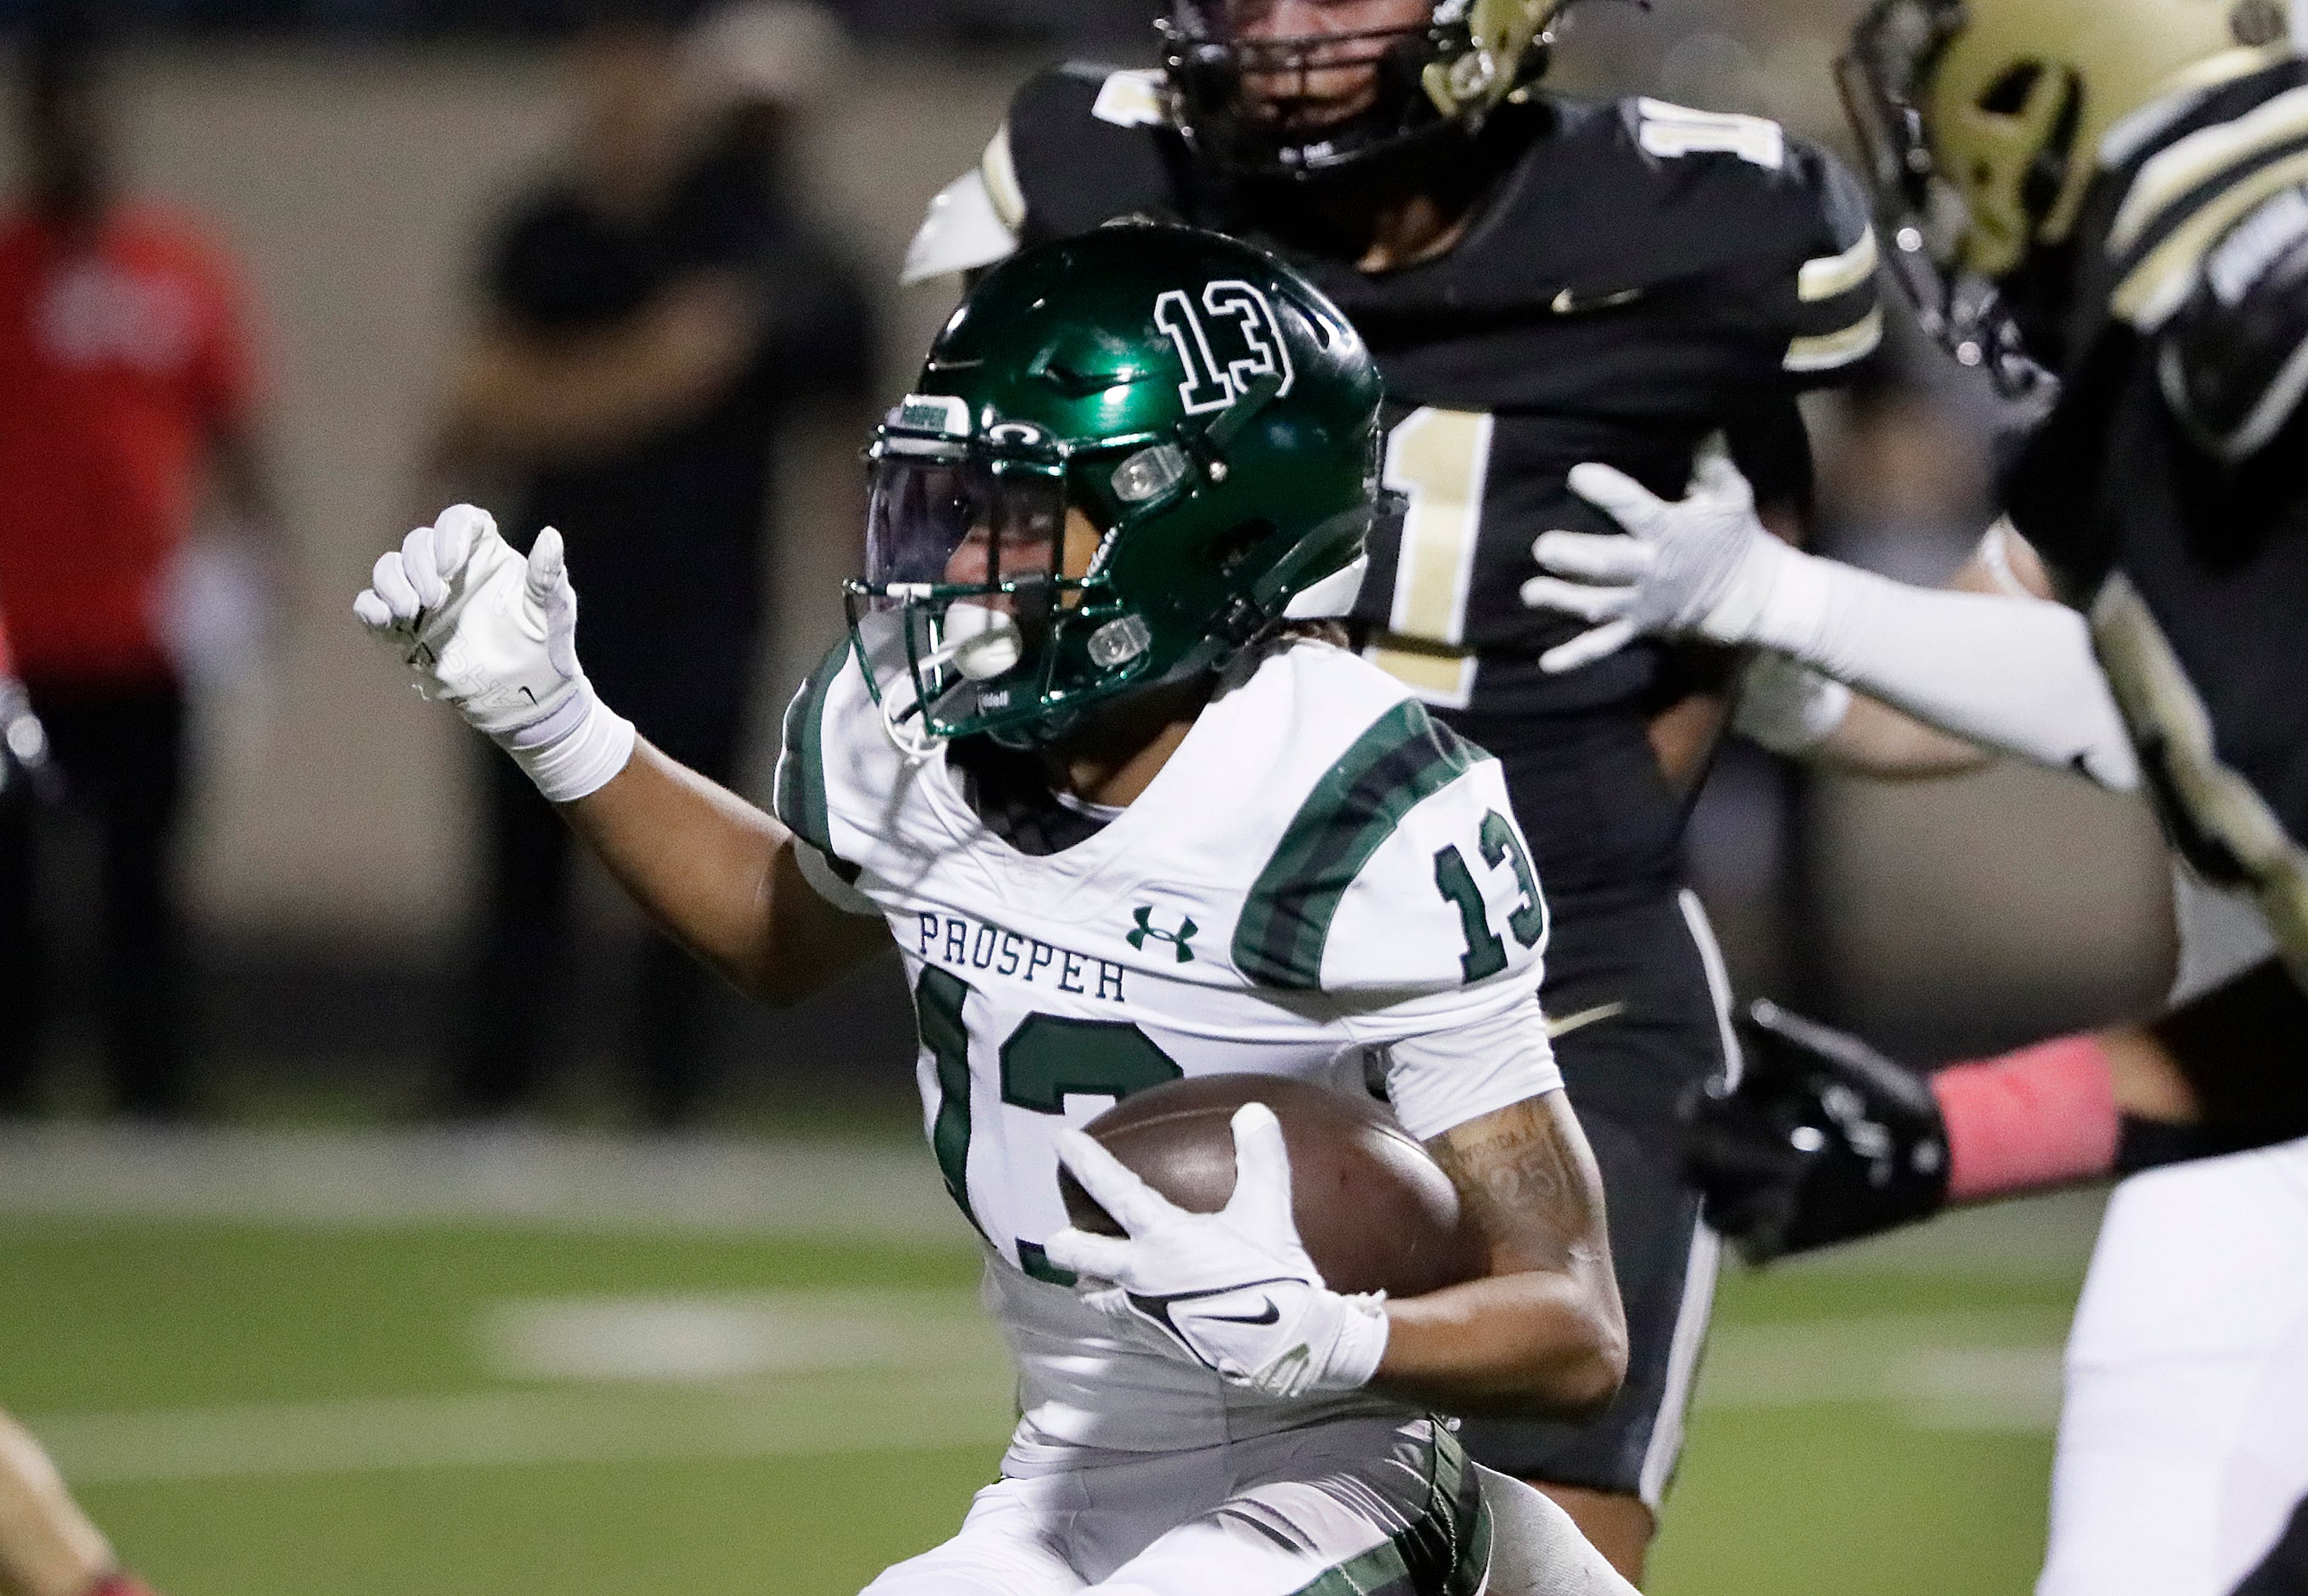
1403,892
1440,1081
1449,921
827,883
1448,906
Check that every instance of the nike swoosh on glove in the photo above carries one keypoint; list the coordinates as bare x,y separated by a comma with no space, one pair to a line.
1233,1291
1701,565
494,636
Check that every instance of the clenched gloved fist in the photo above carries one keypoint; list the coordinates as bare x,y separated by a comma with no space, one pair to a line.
1233,1291
1822,1140
494,637
1702,566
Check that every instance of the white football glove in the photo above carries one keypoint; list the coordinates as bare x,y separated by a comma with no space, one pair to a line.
494,637
1700,566
1233,1291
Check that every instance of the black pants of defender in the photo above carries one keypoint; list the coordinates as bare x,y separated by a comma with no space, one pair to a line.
1635,988
528,858
120,752
2286,1571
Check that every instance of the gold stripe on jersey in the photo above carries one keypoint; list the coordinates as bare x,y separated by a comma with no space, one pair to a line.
1440,674
1000,170
2171,175
1669,131
1827,350
2220,812
2160,283
1830,275
1557,1028
1132,100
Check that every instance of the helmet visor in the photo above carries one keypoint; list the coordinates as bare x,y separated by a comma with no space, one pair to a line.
950,525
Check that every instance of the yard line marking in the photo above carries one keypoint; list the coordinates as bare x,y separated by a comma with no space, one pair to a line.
1985,1371
708,1339
736,1375
888,1413
1989,1371
527,1179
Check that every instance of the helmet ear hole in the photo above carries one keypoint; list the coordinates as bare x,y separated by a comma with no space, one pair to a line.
2007,96
2041,102
1232,547
2047,174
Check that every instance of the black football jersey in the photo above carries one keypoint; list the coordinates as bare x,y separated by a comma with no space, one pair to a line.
2169,488
1641,278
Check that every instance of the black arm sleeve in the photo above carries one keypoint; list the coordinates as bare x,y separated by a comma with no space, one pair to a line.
2244,1047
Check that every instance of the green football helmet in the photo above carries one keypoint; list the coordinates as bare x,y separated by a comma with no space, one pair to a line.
1130,455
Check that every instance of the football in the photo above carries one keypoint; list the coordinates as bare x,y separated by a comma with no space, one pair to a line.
1376,1212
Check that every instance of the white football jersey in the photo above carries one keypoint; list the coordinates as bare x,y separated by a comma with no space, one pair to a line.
1321,883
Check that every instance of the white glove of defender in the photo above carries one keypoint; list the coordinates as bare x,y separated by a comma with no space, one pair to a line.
494,637
1235,1290
1703,566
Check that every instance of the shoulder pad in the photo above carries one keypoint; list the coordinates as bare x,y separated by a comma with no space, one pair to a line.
2189,194
2233,359
1088,144
973,222
1792,209
1670,131
1404,758
797,795
1839,310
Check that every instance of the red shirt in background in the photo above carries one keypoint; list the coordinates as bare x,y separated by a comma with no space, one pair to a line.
118,360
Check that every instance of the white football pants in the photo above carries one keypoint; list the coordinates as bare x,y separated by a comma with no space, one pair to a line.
2184,1437
1357,1505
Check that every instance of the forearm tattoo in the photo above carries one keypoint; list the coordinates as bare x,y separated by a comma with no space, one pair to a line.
1526,1178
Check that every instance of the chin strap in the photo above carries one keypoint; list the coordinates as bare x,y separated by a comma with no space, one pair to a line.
907,727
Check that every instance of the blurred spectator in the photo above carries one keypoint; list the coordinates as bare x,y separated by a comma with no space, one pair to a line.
653,312
125,385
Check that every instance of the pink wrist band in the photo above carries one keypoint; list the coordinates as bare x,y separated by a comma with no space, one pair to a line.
2041,1116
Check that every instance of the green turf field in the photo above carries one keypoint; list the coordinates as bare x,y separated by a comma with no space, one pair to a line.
616,1398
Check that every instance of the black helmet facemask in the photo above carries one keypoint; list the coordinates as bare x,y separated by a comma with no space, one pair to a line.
1208,62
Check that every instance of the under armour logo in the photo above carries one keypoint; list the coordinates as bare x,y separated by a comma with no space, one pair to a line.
1148,931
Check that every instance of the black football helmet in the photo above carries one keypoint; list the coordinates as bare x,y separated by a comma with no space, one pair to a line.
1437,79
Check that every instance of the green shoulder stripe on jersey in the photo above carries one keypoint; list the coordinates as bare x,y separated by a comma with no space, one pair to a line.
799,795
1445,1552
1393,767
